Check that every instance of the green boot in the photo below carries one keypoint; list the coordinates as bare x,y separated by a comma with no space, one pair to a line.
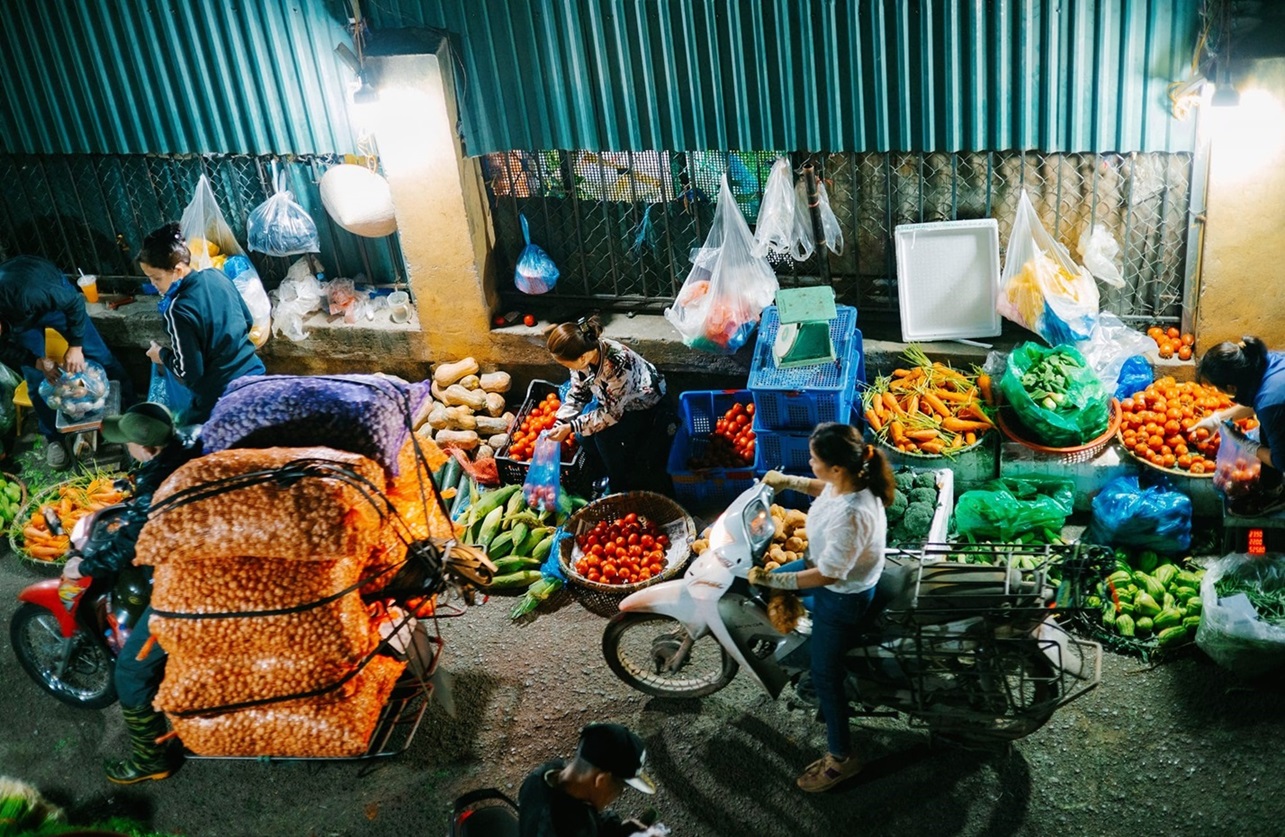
147,759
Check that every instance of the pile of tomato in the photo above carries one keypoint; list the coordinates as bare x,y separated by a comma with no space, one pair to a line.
1156,425
732,443
626,550
541,417
1173,343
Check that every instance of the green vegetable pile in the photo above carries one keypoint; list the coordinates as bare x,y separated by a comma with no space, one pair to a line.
1049,379
10,501
1013,553
1270,604
910,516
1148,597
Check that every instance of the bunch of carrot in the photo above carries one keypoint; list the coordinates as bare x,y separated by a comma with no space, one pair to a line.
929,408
72,501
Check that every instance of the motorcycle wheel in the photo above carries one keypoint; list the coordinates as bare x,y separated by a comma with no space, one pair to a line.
1015,693
89,682
638,646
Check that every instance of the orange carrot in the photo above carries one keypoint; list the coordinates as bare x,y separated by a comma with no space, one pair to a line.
957,442
935,446
900,373
912,405
890,401
872,419
955,397
960,426
984,384
976,412
937,404
970,438
921,435
897,431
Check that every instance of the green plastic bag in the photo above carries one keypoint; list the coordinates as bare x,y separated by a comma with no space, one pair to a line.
1006,509
1084,409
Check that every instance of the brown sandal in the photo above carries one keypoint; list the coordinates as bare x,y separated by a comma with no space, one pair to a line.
826,772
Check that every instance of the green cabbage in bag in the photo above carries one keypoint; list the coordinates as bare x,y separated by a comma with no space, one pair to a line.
1006,509
1055,396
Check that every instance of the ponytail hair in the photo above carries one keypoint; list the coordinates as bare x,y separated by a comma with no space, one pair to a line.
842,445
164,248
569,341
1241,365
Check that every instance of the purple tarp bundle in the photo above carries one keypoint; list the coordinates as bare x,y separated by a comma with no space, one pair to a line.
366,414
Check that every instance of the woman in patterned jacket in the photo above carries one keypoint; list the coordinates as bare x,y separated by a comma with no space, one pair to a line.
633,425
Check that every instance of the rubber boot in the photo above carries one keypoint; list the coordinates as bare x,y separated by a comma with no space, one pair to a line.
147,759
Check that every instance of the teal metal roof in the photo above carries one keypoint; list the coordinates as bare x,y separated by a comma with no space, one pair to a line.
260,76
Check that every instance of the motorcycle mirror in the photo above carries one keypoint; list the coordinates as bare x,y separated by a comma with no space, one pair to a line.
52,521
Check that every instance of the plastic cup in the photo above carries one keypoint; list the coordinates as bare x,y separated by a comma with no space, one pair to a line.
399,307
89,287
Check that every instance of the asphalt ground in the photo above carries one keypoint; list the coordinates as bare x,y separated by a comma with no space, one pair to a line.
1184,747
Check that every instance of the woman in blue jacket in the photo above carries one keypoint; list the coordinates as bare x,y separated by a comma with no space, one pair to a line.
206,319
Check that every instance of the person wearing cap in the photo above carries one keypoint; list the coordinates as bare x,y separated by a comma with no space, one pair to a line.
148,432
206,319
35,295
570,798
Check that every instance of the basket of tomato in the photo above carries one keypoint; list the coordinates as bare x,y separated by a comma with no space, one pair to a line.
1156,427
623,543
539,413
712,458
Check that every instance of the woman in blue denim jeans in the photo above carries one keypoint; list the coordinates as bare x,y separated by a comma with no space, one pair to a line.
847,530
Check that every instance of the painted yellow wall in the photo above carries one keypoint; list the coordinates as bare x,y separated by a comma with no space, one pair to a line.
1244,248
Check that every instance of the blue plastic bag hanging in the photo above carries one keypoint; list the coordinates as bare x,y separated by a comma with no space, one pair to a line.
165,388
536,273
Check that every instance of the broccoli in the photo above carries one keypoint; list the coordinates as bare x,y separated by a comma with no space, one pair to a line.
923,495
926,479
905,480
898,505
918,519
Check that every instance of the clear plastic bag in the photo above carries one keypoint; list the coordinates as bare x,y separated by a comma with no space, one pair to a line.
1042,288
299,295
829,221
1110,344
213,245
728,286
1232,631
1155,517
774,232
1100,254
1238,468
77,395
535,273
281,227
802,244
543,477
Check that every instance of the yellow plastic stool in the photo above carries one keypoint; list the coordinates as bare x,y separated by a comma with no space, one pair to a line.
56,348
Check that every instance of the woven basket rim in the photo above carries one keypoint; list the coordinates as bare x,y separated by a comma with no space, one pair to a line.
1099,442
614,500
1173,472
30,502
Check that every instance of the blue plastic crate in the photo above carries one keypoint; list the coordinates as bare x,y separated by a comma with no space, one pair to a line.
706,488
781,450
803,397
701,409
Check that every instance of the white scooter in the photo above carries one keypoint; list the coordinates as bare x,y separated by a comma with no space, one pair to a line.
972,652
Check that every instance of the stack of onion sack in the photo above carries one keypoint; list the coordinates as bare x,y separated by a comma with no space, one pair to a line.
260,557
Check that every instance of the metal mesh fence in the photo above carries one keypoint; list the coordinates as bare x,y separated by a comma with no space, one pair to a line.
91,212
621,226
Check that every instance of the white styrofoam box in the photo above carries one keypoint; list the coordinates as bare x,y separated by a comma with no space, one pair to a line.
940,529
948,279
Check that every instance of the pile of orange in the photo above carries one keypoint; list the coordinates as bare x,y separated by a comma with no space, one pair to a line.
1156,425
1172,342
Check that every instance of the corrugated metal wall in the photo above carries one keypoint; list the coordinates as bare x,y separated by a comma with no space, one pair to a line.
820,75
260,76
192,76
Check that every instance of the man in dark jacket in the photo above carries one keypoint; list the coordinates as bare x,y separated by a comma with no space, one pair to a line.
206,319
35,295
569,799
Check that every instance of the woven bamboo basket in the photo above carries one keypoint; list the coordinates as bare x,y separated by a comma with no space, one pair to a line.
1071,455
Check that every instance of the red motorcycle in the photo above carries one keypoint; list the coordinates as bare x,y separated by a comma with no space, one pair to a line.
69,646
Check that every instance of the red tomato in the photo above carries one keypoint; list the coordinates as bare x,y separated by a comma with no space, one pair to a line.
635,551
632,539
663,541
647,541
528,320
631,518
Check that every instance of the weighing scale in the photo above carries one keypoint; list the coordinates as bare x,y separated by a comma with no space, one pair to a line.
804,336
1253,535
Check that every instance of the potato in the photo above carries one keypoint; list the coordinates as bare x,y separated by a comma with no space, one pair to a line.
700,545
794,544
789,556
771,565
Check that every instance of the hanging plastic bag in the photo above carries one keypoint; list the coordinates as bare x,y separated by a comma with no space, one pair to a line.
1055,395
279,226
1238,629
1110,345
802,243
774,232
1042,288
728,286
536,273
165,388
1006,509
1100,254
1238,468
1126,514
543,477
830,229
212,244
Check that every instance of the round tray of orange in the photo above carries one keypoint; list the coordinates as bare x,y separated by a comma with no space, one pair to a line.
1156,427
29,534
